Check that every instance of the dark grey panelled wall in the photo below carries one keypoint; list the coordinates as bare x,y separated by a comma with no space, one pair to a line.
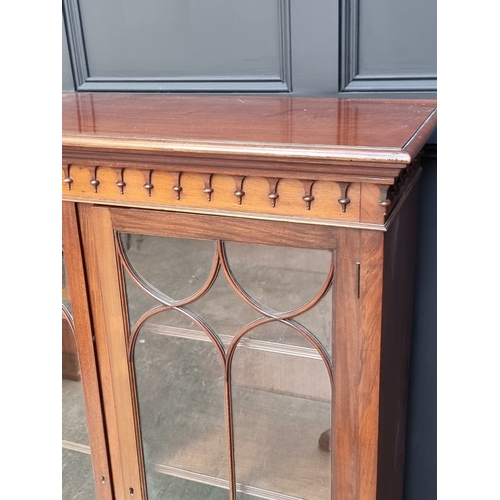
370,48
314,47
207,46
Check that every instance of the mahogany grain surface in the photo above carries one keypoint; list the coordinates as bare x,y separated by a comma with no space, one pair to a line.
371,130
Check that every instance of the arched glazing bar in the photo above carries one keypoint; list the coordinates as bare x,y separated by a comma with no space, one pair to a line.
260,307
158,294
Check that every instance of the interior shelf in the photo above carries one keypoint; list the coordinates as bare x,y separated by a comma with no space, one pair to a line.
262,345
283,377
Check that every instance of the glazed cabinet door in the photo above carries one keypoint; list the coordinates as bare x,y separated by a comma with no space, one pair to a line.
214,337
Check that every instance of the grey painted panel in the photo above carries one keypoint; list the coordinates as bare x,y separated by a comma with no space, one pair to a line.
314,36
67,76
208,39
388,46
308,38
397,37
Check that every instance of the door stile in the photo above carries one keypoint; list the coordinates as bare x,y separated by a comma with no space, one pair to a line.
371,293
77,284
130,358
356,359
112,344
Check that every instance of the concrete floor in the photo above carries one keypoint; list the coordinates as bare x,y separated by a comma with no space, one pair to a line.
280,387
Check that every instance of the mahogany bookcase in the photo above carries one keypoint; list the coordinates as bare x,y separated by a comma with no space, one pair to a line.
240,271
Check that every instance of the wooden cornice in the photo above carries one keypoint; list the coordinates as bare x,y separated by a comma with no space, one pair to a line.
122,148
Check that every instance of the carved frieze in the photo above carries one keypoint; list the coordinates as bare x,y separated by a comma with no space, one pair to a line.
182,190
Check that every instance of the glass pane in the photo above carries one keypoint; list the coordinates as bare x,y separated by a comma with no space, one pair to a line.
280,278
176,267
180,387
74,423
281,406
318,320
165,487
138,301
77,474
281,390
224,310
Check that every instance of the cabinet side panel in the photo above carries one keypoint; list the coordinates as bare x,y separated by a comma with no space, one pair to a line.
399,259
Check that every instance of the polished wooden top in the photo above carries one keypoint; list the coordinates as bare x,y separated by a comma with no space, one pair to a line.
308,130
